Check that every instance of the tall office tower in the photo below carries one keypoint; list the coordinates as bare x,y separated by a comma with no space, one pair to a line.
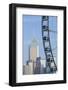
33,51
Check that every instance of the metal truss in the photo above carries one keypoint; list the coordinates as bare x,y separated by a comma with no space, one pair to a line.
50,62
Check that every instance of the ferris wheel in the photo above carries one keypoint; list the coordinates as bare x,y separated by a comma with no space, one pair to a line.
49,51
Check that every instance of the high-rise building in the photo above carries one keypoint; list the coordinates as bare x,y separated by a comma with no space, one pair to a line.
33,51
43,66
38,66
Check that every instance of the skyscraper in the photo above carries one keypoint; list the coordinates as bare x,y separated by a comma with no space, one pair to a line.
33,51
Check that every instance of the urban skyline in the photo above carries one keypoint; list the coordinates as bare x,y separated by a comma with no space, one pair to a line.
35,64
32,25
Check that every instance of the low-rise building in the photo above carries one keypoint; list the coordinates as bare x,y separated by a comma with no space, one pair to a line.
28,68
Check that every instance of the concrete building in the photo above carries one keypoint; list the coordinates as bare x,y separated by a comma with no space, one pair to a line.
28,68
31,71
43,66
38,66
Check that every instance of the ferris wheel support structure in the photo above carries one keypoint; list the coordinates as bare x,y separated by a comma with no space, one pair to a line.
50,62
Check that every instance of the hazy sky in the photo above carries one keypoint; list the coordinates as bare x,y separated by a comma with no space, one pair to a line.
33,30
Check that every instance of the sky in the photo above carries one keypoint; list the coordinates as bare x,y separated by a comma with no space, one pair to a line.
32,29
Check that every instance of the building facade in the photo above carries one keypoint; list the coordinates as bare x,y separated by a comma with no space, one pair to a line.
43,66
33,51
